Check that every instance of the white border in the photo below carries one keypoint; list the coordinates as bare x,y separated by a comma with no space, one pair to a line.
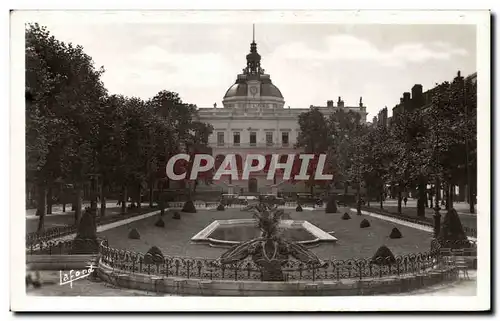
203,235
20,302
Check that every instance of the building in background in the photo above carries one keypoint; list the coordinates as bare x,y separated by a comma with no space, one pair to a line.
254,120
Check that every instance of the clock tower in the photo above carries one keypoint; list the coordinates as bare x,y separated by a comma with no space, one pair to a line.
253,87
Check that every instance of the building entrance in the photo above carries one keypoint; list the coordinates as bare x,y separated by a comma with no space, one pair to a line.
252,185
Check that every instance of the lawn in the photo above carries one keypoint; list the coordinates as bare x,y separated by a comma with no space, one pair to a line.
467,220
61,220
353,241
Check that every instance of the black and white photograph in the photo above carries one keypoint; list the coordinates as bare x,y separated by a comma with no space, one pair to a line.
250,156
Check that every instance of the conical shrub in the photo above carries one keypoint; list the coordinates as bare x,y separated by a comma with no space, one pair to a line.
451,228
383,256
331,205
395,234
346,216
86,227
153,256
298,208
85,241
364,223
160,222
134,234
221,207
189,207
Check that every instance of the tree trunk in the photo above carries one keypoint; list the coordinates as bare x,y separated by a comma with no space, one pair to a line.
103,200
470,196
78,203
358,203
151,194
446,196
421,199
382,198
139,200
461,192
124,199
49,199
400,198
161,200
40,210
451,191
93,196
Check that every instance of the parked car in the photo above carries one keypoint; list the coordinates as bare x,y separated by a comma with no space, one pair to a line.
228,199
308,199
348,199
273,199
246,199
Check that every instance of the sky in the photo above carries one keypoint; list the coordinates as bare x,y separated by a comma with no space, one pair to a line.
309,63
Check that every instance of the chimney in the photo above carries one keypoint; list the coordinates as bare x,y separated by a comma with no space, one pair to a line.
406,96
340,103
416,91
329,103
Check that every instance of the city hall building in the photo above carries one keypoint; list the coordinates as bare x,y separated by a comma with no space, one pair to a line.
253,120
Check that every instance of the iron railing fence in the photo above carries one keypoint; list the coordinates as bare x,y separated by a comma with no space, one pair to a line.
61,231
128,262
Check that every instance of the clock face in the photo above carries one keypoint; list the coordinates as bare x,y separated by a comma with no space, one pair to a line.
253,90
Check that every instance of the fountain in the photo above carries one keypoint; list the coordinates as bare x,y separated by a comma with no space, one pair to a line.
226,233
271,248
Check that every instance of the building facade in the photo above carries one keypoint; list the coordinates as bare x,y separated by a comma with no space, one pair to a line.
253,120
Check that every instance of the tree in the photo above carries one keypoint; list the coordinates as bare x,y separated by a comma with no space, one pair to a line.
345,129
409,153
374,167
64,88
452,130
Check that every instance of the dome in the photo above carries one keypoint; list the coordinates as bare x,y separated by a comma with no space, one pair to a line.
236,90
241,90
270,90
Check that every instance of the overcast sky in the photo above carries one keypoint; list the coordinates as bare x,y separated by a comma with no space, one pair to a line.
309,63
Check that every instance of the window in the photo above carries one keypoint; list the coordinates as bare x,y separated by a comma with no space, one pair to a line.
220,138
253,138
269,139
284,138
236,138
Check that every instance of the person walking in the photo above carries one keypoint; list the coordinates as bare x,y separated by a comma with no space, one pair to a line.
405,200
